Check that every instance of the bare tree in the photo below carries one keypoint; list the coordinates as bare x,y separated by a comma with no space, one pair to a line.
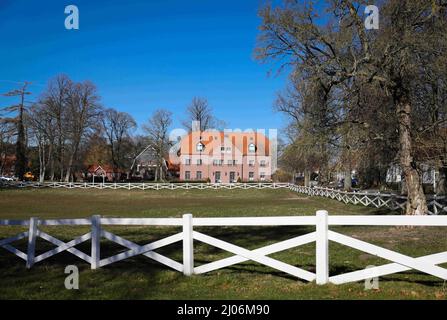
157,130
19,110
343,51
83,112
117,127
201,112
55,100
42,124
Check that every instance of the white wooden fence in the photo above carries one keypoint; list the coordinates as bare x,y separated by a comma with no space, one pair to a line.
436,204
149,186
322,235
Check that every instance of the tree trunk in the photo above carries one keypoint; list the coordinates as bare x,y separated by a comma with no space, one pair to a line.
416,201
323,175
61,156
156,174
348,180
441,183
68,173
42,162
51,162
51,177
306,177
403,186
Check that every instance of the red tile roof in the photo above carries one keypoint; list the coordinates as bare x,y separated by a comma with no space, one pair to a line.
238,141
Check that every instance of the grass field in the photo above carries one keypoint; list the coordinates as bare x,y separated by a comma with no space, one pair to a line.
142,278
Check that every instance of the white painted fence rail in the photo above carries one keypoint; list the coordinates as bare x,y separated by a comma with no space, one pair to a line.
322,235
148,186
436,204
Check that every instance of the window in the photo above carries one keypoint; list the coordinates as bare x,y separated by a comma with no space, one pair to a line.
262,176
222,149
251,147
200,146
228,149
199,162
187,161
215,162
199,175
251,176
187,175
251,163
221,162
230,162
262,163
234,162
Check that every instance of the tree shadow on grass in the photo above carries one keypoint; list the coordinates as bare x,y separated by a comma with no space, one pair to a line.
249,238
414,276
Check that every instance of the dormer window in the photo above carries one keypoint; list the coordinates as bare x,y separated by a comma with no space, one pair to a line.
200,146
251,147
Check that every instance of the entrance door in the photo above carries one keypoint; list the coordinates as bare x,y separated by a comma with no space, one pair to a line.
232,176
217,177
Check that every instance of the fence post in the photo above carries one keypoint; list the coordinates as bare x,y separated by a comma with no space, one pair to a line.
96,240
322,248
188,248
32,235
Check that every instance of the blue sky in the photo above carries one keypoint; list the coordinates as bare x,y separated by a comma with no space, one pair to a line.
145,54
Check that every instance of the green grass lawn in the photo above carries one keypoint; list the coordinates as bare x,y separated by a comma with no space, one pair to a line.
142,278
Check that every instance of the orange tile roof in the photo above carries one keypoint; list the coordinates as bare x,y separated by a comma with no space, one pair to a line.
239,141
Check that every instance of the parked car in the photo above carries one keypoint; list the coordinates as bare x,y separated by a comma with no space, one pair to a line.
29,176
7,179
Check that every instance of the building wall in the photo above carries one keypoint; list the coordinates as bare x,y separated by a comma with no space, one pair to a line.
211,171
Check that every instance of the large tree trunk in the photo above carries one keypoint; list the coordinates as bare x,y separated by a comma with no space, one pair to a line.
441,183
416,201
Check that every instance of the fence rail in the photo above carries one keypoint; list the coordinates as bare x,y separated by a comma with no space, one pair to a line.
148,186
436,204
321,236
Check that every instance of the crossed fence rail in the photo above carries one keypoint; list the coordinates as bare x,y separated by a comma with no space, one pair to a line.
321,236
148,186
436,204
